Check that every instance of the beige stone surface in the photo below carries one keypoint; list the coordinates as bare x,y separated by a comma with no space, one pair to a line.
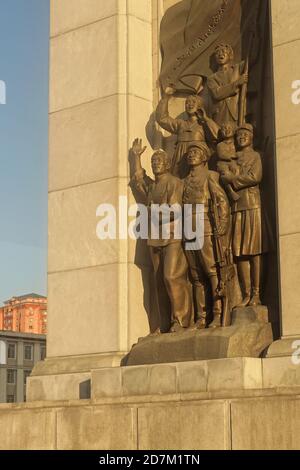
283,347
285,21
290,292
86,323
243,419
70,14
178,378
99,102
281,371
204,426
76,364
139,111
140,8
73,241
83,144
135,381
155,380
286,71
269,424
55,387
288,170
139,53
27,430
92,428
235,373
81,68
106,382
192,377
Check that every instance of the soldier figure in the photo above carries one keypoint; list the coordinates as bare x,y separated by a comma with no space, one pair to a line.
197,128
225,86
201,187
248,241
168,258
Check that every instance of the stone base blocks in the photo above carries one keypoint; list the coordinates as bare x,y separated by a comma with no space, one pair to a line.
184,377
216,375
237,420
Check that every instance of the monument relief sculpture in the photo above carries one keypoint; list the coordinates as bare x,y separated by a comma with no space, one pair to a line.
225,86
227,156
249,241
168,258
225,271
201,186
198,127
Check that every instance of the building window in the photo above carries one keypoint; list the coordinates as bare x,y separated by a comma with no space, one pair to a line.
11,376
43,352
28,352
10,399
11,351
26,374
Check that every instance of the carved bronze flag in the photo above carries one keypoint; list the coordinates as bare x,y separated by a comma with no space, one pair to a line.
191,29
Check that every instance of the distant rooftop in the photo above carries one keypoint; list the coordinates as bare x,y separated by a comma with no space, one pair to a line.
26,296
17,334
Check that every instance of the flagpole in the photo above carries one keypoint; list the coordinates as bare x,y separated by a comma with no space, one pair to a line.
244,89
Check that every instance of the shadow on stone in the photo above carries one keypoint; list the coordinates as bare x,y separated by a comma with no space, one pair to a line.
85,390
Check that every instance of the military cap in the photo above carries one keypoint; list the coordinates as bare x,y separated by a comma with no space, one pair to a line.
247,127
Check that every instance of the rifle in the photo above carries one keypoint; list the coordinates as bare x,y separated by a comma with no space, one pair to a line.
243,94
224,264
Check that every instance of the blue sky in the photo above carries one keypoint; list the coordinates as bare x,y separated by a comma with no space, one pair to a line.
24,33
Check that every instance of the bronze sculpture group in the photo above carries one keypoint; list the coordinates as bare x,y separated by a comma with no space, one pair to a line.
234,238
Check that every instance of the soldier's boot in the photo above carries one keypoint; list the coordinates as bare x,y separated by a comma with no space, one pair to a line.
201,321
255,271
217,311
246,300
255,299
176,327
245,280
217,303
201,315
157,332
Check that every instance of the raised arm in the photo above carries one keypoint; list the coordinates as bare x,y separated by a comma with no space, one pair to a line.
139,179
163,118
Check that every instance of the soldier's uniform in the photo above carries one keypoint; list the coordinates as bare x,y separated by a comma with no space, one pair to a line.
168,258
202,263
